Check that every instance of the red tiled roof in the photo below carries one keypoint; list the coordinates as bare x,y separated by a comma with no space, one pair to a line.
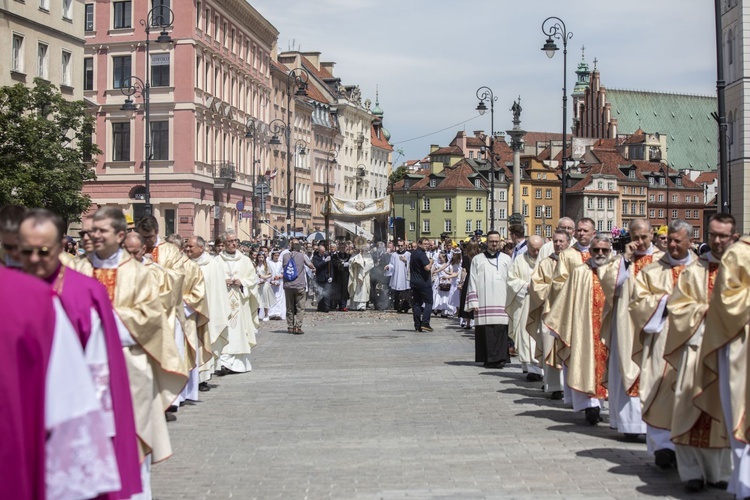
320,73
280,67
448,150
535,137
649,166
456,177
706,178
379,141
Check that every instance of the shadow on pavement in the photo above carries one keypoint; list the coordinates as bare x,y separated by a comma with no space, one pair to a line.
463,363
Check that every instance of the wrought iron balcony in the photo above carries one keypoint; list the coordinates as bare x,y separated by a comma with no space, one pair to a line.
224,175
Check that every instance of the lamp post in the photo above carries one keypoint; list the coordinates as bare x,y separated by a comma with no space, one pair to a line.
554,27
330,158
485,94
665,169
159,17
300,149
276,127
253,129
296,79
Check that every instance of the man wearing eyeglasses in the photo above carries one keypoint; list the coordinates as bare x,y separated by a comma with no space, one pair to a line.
89,309
648,309
154,371
581,317
699,426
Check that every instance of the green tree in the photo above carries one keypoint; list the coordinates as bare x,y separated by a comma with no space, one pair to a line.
397,175
45,149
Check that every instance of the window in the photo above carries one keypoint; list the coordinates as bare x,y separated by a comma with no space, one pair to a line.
678,181
651,180
610,186
600,185
525,191
425,203
661,214
120,71
674,214
696,232
160,140
501,195
662,181
88,73
66,69
17,54
468,204
433,183
88,17
224,34
590,203
501,214
633,208
538,230
468,226
610,203
122,14
695,214
599,225
538,194
651,197
661,197
216,28
198,13
121,141
600,203
609,225
479,204
67,9
642,208
477,183
624,208
44,4
426,226
412,226
651,214
478,225
548,194
412,205
449,204
160,70
448,226
548,231
42,61
525,210
160,13
674,197
207,22
631,174
643,190
548,212
538,211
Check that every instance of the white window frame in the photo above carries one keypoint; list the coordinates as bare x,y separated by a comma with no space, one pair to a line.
42,61
448,204
44,5
425,204
548,212
468,226
652,214
479,205
67,10
478,225
412,226
426,225
66,68
674,214
468,204
538,210
448,225
17,58
538,193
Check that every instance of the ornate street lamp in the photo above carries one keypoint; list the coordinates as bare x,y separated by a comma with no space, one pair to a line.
330,159
554,27
159,17
296,79
253,130
486,94
300,149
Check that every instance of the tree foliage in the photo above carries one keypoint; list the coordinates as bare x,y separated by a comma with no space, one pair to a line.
398,174
45,149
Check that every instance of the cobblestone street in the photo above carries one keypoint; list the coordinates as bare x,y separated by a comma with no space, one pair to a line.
363,407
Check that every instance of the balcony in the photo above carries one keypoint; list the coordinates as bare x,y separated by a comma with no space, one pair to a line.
224,175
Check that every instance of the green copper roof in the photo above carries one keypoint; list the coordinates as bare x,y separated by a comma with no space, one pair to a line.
691,131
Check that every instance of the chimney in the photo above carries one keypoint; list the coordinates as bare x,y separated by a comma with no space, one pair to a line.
327,66
313,57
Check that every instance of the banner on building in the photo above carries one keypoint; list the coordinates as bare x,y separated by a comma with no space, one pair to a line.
376,208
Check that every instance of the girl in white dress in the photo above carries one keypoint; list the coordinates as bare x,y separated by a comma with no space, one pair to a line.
454,297
440,285
266,297
278,310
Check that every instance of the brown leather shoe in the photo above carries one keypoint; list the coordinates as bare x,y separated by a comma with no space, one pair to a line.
298,331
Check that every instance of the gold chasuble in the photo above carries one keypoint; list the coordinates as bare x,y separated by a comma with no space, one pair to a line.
653,286
539,303
151,358
628,341
570,258
580,318
727,326
687,309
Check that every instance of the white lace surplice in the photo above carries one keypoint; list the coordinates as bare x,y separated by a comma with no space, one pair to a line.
80,460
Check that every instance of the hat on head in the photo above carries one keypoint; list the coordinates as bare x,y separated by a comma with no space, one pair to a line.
662,231
129,220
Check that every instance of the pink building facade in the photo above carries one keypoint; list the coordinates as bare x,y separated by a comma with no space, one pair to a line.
206,86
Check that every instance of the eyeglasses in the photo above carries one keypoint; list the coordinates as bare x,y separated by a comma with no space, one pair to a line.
9,248
41,252
233,241
83,234
712,235
600,250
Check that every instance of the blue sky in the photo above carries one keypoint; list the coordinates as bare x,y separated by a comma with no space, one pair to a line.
429,57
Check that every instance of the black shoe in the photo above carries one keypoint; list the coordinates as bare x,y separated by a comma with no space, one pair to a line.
170,417
298,331
557,395
592,416
719,485
203,387
534,377
694,485
665,459
496,365
222,371
634,438
426,328
172,409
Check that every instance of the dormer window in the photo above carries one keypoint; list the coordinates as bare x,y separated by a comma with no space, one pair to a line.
651,180
678,181
631,174
407,183
477,183
433,183
662,181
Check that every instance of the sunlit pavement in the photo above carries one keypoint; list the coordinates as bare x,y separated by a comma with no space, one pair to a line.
364,407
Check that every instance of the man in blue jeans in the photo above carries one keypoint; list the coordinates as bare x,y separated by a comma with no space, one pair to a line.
421,286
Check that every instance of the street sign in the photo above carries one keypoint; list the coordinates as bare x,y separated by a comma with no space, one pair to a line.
240,205
262,189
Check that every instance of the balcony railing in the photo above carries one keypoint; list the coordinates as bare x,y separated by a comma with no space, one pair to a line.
224,175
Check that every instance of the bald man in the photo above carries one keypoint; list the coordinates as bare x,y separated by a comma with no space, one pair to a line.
517,305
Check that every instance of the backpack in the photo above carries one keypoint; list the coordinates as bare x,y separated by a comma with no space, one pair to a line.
290,269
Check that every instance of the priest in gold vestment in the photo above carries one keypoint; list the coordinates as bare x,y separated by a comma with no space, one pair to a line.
701,444
648,310
623,373
540,302
152,362
580,318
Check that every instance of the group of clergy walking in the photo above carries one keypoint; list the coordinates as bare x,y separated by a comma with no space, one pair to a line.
102,345
661,335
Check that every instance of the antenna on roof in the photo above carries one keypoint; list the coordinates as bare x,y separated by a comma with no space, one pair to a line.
583,52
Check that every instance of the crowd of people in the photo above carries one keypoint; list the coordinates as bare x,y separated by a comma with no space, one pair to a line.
112,333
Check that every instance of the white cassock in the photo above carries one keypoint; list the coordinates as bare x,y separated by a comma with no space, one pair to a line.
243,319
278,310
80,459
517,307
399,269
218,308
360,265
